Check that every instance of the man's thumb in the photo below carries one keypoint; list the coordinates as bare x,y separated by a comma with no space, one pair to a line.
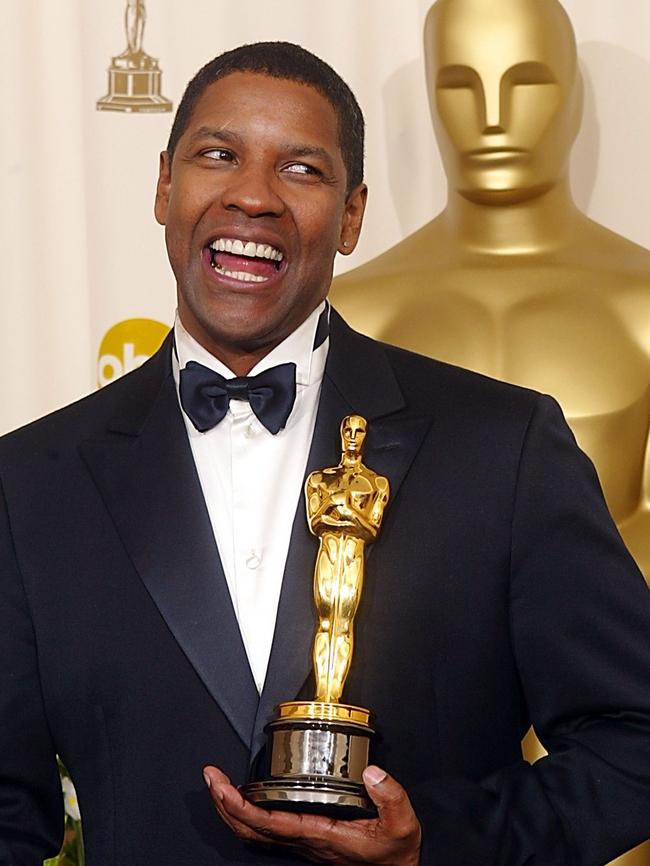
388,795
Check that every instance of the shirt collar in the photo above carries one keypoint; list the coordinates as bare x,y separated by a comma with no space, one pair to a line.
296,348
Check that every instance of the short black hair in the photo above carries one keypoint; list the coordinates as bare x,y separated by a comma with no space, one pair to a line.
293,63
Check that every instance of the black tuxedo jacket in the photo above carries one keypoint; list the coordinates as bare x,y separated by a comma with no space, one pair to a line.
498,593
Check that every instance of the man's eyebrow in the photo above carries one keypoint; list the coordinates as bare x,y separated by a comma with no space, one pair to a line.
215,132
306,150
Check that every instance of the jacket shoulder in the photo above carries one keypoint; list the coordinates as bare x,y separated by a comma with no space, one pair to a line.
131,395
456,389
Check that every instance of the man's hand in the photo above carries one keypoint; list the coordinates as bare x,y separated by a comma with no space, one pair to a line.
391,839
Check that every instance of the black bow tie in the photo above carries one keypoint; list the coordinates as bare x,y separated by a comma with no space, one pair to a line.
205,395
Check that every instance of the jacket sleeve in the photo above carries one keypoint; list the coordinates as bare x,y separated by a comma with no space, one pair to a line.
580,627
31,810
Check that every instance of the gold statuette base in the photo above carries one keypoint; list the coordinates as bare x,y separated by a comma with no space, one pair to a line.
316,756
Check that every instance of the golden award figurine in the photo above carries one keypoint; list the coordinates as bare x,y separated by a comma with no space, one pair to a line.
318,749
134,77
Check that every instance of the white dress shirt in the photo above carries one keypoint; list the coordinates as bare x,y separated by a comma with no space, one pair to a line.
252,482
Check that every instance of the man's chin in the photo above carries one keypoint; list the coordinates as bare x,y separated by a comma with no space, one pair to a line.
232,338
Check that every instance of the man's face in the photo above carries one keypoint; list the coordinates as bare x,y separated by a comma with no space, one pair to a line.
255,208
504,93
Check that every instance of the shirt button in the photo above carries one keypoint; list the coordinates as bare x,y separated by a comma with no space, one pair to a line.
250,432
253,560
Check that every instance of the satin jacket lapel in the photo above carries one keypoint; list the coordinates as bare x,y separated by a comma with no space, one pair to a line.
358,380
145,473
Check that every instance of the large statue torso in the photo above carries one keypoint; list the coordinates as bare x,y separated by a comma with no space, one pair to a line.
575,325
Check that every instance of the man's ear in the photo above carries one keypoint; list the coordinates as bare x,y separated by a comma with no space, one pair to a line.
355,206
162,188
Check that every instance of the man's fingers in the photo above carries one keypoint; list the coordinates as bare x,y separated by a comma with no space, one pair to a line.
229,803
250,822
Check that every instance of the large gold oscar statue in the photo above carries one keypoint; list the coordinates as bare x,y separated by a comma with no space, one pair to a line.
511,279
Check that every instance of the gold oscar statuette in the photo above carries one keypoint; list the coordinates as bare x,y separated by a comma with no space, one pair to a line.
318,749
134,77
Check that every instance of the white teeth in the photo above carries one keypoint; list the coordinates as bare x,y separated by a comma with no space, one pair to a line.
245,277
249,249
242,276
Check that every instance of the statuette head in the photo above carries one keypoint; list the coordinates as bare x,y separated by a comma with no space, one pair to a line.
353,433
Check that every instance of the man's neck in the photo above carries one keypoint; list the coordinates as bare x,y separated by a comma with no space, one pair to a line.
298,347
533,226
241,363
238,360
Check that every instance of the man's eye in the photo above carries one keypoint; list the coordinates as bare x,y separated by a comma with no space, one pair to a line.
218,153
302,168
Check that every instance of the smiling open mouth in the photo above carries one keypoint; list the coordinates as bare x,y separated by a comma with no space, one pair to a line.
245,261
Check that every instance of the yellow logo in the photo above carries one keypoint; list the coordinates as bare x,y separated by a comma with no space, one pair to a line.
127,345
134,77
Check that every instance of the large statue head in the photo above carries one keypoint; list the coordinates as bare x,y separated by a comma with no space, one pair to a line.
505,94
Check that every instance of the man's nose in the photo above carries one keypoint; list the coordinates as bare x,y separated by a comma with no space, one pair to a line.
253,191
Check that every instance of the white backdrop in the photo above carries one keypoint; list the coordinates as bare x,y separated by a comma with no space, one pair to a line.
80,248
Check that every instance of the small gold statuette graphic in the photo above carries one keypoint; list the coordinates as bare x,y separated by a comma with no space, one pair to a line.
318,749
134,78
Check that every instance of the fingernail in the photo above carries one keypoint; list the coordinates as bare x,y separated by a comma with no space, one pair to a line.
373,775
208,780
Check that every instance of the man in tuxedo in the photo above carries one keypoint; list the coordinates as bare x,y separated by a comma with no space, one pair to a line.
156,590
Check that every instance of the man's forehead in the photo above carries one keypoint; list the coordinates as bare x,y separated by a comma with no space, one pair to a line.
242,83
258,102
